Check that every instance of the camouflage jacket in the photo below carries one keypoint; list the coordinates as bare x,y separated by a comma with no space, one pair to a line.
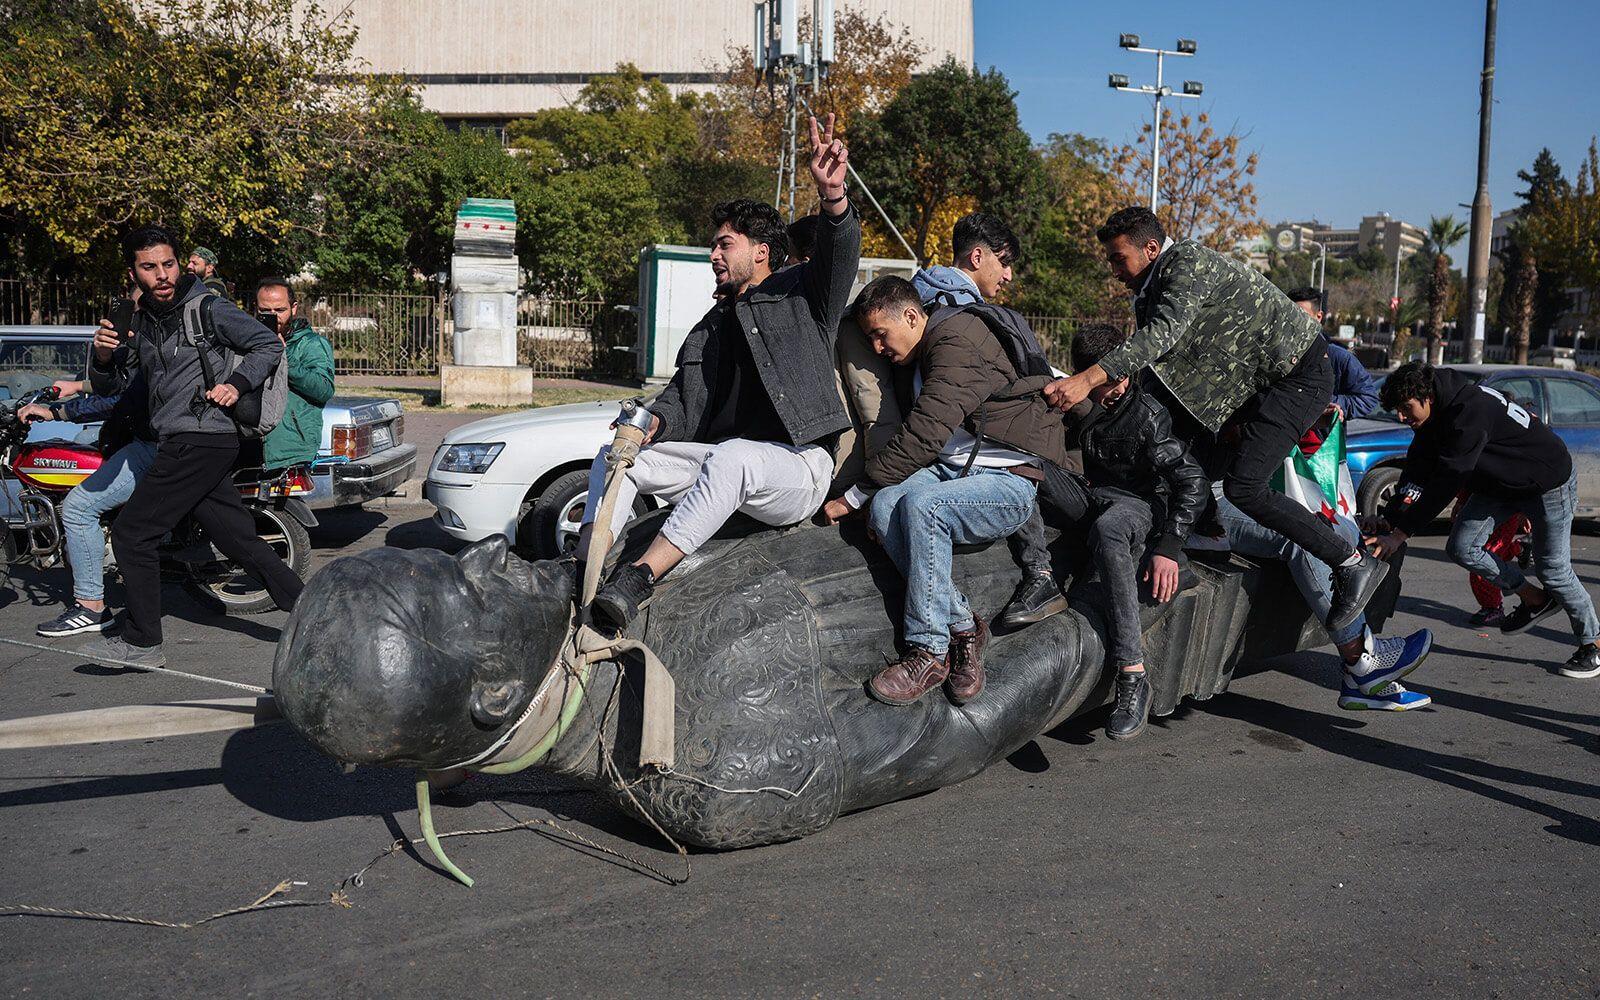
1214,330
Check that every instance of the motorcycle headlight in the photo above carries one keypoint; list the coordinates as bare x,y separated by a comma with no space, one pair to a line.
473,458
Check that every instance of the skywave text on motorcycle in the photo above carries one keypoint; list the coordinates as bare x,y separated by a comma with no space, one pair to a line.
35,478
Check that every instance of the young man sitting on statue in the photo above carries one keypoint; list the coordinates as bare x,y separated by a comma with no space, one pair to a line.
948,476
747,422
1147,492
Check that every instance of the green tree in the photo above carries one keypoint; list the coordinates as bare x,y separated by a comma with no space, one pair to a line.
1518,293
1565,229
1064,273
389,218
621,119
952,134
1444,232
208,115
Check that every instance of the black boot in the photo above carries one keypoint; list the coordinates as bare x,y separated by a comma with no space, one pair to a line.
1353,587
620,598
1036,598
1133,706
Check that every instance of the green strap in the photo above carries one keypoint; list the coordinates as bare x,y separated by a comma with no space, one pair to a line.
425,814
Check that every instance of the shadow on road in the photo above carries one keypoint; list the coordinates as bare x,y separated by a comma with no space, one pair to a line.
1329,733
422,533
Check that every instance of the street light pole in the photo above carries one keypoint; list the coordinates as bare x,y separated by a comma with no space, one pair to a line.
1155,139
1191,88
1482,222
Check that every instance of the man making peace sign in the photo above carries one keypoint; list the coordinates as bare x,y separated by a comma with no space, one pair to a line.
748,421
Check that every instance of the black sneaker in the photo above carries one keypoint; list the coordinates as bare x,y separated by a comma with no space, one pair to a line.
1583,664
76,620
1353,587
1133,706
619,600
1523,618
1036,598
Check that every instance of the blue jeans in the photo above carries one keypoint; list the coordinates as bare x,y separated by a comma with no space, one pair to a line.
106,489
1312,576
920,519
1551,516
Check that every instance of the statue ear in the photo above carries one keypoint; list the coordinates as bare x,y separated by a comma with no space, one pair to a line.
492,703
484,557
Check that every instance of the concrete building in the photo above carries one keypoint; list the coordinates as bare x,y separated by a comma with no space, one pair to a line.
1500,229
489,61
1388,235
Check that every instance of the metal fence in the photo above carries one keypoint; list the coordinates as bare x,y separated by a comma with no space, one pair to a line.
1056,332
381,333
566,339
389,334
50,303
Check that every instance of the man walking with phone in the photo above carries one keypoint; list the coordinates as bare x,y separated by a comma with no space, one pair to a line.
175,348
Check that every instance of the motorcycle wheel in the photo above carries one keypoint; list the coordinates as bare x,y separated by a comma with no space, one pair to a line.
224,586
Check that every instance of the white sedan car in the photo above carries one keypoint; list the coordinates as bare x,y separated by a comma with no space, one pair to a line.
524,475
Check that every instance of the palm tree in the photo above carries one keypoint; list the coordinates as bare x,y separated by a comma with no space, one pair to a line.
1444,232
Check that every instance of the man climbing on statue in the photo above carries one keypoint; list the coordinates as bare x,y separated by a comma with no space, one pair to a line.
748,421
1243,370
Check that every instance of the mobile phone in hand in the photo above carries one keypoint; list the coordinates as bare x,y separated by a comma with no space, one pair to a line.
122,318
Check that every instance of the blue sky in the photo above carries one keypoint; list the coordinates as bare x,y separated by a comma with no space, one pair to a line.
1355,106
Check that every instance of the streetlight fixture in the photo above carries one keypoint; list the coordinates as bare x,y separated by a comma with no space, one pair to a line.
1191,88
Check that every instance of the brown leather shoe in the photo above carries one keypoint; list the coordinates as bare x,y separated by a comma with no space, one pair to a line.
917,672
966,662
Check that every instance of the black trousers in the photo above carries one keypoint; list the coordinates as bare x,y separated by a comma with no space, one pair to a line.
1270,425
188,477
1028,545
1118,539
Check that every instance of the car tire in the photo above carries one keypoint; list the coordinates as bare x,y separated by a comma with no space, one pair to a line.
548,527
1376,488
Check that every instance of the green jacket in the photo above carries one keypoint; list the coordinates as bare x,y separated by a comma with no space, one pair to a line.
1214,330
299,436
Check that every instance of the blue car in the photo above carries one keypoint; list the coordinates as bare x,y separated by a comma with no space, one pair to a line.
1568,401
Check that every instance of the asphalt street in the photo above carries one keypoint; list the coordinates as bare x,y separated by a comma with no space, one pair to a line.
1262,843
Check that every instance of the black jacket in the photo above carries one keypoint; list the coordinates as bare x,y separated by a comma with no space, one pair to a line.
790,321
171,366
1478,441
1132,448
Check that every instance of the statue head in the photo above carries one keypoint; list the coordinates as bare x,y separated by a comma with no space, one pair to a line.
417,658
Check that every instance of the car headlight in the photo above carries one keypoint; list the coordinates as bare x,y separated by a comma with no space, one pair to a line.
473,458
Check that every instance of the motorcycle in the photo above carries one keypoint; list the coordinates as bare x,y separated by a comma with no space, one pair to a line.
35,478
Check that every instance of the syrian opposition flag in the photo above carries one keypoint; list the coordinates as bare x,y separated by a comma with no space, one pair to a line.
1315,476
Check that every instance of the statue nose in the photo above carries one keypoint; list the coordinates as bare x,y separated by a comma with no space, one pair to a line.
492,703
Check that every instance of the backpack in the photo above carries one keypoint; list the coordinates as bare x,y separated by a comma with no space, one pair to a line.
1060,488
1016,337
258,411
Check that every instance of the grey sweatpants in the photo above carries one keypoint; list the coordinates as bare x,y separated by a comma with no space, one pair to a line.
774,483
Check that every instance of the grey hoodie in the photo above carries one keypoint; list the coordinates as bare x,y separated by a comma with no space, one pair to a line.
172,367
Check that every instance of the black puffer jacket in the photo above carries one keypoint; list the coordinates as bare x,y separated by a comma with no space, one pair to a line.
1131,447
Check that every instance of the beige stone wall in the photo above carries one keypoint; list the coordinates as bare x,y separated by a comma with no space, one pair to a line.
536,47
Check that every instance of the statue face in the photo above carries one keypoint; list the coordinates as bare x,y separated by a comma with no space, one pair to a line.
416,658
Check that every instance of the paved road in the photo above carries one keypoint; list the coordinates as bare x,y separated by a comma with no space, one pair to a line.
1263,843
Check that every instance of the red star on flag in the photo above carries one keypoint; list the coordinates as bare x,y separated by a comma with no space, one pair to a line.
1344,505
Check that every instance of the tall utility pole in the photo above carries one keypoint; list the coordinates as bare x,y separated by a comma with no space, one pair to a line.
786,63
1191,88
1482,221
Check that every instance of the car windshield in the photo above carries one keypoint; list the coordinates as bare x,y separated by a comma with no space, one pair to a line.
28,363
1473,377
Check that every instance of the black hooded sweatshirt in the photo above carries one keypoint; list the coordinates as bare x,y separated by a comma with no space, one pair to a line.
1475,440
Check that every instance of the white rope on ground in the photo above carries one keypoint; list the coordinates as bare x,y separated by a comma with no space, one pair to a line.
146,668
